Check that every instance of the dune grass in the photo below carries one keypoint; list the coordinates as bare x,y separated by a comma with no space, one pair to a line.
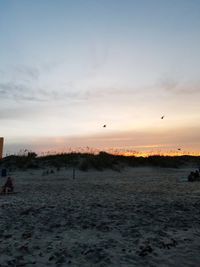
101,161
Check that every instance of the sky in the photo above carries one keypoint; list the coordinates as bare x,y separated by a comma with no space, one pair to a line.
69,67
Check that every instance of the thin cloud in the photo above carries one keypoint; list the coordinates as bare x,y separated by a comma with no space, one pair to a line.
32,73
18,92
24,92
18,113
177,87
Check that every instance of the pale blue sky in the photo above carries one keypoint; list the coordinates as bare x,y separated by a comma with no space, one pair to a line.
68,67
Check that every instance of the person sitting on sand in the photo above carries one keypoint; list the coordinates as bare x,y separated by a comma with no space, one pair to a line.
8,186
191,177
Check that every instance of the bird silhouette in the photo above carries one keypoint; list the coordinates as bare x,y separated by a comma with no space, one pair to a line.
179,148
162,117
104,126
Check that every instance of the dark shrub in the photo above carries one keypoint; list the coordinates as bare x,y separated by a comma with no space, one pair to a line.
84,166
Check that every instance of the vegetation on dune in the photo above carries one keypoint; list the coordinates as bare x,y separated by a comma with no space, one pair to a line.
101,161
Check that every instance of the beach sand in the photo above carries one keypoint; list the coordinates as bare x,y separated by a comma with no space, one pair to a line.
136,217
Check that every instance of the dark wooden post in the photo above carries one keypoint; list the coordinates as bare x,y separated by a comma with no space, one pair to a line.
73,173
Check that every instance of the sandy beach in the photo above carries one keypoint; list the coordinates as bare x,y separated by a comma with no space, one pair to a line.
136,217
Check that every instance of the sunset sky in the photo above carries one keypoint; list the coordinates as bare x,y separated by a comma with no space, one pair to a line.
69,67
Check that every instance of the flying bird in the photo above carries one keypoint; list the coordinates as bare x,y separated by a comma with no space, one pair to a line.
162,117
179,148
104,126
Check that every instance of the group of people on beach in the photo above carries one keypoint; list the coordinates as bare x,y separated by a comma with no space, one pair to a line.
194,176
8,187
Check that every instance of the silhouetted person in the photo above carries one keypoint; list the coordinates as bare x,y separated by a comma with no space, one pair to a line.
191,177
8,187
194,176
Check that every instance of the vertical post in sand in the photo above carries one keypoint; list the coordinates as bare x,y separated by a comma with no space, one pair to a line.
1,147
73,173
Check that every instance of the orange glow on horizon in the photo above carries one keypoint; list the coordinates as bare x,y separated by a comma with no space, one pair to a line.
120,152
171,154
